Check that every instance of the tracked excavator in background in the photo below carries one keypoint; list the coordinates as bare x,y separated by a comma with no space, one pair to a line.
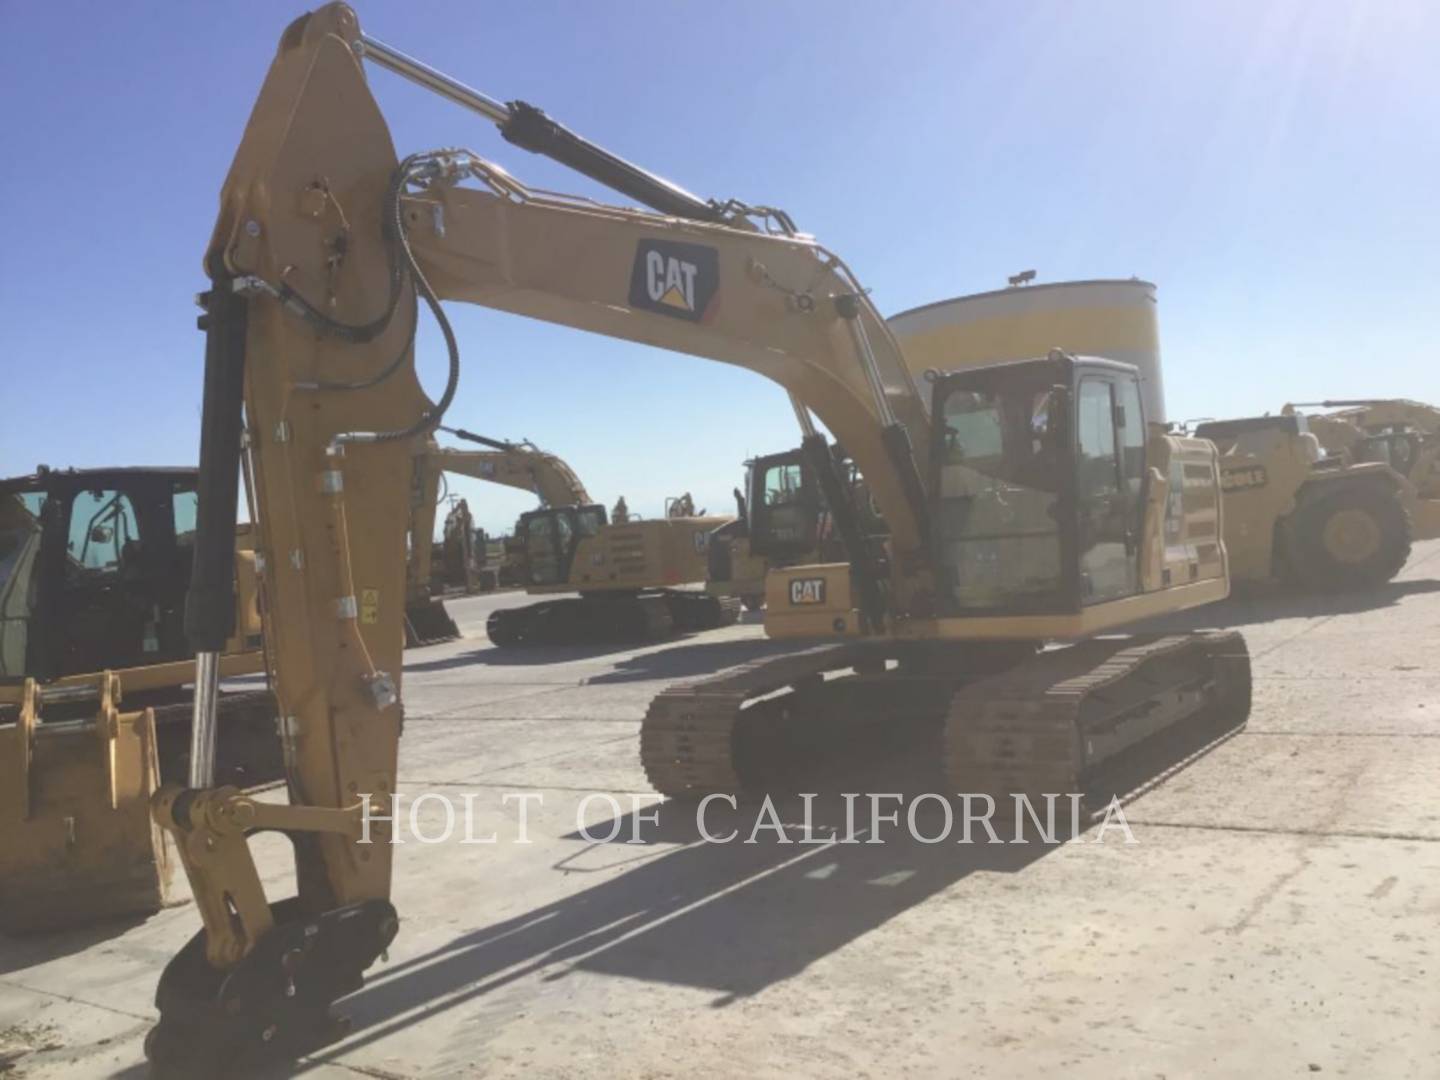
95,709
782,520
626,573
519,465
1026,503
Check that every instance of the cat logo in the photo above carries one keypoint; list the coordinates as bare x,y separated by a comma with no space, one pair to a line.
675,279
807,590
1253,476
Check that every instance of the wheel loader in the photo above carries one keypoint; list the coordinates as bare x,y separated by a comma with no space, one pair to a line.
1031,504
1293,515
94,707
1404,435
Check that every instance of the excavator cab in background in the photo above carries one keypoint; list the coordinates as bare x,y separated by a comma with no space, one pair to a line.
94,567
783,519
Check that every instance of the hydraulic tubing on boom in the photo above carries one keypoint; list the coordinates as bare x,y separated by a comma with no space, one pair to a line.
1010,523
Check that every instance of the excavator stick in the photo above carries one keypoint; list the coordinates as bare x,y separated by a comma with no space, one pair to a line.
80,846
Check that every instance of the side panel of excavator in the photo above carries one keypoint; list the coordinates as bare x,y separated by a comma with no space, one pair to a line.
654,554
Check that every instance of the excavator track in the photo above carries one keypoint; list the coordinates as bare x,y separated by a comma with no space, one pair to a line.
1052,725
1009,721
695,611
692,738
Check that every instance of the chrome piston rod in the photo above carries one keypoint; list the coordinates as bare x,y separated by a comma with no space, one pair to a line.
202,730
419,72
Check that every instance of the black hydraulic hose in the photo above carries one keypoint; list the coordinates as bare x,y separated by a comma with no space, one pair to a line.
470,436
210,602
863,565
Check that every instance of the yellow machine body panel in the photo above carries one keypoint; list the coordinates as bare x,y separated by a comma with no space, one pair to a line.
748,573
657,553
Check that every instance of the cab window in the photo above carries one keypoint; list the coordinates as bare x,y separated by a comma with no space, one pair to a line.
1107,489
103,539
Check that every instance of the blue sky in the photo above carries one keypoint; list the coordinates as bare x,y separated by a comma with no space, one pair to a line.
1271,165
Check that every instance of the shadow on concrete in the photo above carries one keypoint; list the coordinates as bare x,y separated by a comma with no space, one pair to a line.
687,657
26,950
691,659
1261,604
530,656
734,918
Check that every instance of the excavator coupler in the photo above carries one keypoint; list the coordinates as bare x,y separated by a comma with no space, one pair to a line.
276,1003
80,845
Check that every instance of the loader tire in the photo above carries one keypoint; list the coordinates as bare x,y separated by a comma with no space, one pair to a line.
1356,538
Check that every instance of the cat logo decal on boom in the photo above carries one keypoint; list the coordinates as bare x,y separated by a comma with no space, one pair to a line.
675,279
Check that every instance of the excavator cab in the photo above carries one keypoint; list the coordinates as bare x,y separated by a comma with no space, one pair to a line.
1040,486
93,569
550,537
784,506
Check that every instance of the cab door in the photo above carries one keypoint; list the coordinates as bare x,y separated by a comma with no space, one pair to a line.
1109,487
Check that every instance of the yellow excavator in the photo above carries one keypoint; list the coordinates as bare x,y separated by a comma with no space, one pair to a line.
519,465
626,573
1027,503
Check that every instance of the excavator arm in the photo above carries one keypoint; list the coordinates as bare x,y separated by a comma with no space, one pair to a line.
517,465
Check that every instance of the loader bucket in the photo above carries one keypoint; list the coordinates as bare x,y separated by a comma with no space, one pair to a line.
80,846
428,623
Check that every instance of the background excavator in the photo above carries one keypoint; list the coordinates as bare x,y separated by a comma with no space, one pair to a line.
782,519
1026,503
520,465
94,564
625,572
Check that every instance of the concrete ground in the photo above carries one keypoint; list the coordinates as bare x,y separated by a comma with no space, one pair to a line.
1278,915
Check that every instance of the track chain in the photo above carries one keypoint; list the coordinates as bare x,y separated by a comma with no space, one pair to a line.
1045,727
687,739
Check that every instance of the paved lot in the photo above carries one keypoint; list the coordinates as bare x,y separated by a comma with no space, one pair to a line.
1278,916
